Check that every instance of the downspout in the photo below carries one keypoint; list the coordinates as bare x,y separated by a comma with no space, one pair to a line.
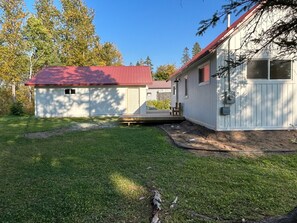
229,57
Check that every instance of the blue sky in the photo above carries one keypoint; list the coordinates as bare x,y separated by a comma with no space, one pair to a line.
160,29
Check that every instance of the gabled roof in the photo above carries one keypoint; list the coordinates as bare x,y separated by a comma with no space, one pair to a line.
92,76
217,41
160,85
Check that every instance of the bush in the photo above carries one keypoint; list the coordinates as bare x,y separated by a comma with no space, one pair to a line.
5,100
17,108
159,105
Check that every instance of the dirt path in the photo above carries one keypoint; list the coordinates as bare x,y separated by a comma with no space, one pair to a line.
201,140
72,128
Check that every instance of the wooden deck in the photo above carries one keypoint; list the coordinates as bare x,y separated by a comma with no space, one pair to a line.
151,117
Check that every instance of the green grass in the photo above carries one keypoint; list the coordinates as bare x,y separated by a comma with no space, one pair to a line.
99,176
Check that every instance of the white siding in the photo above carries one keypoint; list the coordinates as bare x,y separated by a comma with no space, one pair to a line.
201,103
93,101
260,104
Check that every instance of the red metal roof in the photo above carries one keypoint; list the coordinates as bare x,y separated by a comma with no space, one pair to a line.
92,76
217,41
160,85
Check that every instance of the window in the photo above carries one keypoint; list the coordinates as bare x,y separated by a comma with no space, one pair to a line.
174,90
186,86
280,69
69,91
204,74
269,69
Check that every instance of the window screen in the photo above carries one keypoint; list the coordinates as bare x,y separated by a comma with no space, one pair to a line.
280,69
67,91
257,69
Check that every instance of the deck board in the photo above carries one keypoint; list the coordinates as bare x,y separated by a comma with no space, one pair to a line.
151,118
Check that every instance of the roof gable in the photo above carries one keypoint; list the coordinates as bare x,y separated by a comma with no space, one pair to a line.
160,85
92,76
217,41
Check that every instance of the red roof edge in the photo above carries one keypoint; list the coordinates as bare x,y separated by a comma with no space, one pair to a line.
217,41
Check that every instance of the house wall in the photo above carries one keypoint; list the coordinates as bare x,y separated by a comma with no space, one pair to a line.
93,101
260,104
152,93
200,104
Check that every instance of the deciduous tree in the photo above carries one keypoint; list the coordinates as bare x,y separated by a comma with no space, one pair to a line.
78,36
164,71
12,58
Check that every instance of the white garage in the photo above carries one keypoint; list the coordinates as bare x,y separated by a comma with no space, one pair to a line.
90,91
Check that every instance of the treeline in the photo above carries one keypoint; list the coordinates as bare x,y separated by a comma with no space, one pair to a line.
50,37
162,72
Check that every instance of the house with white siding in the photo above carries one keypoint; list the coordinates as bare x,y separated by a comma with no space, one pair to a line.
260,94
90,91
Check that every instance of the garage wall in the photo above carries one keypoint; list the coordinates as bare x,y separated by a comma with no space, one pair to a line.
94,101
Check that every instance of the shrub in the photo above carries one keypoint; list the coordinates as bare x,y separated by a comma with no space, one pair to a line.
17,108
159,105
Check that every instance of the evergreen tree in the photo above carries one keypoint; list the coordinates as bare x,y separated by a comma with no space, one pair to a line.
79,41
196,49
148,62
186,56
140,62
12,58
163,72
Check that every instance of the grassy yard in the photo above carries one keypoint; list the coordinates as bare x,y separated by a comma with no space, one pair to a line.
99,176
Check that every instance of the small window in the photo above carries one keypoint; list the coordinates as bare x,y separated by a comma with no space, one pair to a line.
69,91
174,90
257,69
280,69
186,86
204,74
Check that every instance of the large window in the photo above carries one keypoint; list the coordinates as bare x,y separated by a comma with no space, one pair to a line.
204,74
269,69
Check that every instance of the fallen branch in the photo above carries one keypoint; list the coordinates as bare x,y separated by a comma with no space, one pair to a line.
156,202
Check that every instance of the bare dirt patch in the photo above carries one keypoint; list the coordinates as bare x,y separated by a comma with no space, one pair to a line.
72,128
203,141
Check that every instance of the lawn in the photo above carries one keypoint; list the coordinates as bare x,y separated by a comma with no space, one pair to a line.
100,176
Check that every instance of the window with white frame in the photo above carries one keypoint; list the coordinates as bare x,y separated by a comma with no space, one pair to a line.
269,69
204,74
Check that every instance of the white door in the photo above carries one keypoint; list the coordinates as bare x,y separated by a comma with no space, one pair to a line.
133,105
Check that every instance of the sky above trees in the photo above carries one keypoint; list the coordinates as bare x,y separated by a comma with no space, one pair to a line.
160,29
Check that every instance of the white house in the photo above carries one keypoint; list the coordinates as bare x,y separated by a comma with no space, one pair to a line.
258,95
158,90
90,91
